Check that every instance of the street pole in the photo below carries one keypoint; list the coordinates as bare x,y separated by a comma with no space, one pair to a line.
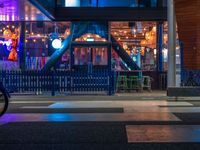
23,46
171,76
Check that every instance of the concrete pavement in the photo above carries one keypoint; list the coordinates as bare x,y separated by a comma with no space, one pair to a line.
100,122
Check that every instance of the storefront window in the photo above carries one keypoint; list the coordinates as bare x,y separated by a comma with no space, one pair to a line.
100,56
138,39
81,56
9,45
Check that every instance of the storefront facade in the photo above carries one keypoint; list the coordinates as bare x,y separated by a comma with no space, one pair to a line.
128,43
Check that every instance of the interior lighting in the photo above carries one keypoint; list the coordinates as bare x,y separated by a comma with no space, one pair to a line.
56,43
155,51
13,27
154,29
8,26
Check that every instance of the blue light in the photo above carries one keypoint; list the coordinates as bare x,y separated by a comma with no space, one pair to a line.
56,43
59,117
72,3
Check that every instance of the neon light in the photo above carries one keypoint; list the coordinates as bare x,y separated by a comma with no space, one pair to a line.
7,43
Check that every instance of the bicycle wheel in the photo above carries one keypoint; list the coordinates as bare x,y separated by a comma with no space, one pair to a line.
3,102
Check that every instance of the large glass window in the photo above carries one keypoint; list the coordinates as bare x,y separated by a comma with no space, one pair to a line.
81,56
100,56
96,55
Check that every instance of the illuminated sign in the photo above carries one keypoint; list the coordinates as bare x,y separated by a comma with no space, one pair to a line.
72,3
90,39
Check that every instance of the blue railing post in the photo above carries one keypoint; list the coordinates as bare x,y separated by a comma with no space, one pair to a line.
53,83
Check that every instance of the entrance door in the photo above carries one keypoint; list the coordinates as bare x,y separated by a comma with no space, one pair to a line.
91,68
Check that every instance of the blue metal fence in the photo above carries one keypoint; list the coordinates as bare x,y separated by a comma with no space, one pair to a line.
75,82
190,77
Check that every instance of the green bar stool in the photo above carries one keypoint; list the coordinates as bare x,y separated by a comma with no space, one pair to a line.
147,82
135,83
122,83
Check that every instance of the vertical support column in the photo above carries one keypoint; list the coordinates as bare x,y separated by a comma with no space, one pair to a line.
22,46
109,49
171,44
159,46
111,76
71,57
89,61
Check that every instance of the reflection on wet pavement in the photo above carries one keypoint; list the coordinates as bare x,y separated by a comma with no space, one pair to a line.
89,117
163,133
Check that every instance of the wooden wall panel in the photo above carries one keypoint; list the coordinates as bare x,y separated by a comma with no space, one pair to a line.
188,21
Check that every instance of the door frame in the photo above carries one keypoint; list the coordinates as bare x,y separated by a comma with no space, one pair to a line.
88,45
